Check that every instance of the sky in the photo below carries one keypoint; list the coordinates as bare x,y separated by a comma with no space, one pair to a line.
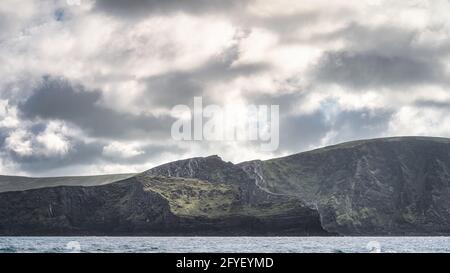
87,86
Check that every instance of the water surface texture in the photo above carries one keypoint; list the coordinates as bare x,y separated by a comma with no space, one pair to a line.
224,244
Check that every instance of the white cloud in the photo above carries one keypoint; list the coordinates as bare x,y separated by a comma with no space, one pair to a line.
419,121
19,142
53,140
116,56
8,115
123,150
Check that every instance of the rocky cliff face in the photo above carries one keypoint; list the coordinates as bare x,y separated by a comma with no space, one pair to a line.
395,186
202,196
118,208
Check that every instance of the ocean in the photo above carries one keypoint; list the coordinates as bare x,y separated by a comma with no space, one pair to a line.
224,244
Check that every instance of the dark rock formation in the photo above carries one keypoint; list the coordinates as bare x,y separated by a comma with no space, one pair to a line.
118,208
224,201
394,186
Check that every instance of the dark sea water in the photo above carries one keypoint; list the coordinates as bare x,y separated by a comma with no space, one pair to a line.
224,244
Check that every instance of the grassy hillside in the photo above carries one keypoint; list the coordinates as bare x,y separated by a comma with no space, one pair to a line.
191,197
18,183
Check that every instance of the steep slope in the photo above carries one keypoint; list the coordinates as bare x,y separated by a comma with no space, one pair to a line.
223,201
211,188
376,187
118,208
393,186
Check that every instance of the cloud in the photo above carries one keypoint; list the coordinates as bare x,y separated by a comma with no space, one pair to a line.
371,70
138,8
180,87
59,99
45,140
54,140
81,153
384,56
360,124
339,70
19,142
301,132
8,115
92,157
420,121
117,149
434,104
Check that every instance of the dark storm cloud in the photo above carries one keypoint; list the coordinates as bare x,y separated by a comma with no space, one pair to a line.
6,24
383,56
372,70
3,136
301,132
388,39
58,99
138,8
180,87
171,89
287,100
439,105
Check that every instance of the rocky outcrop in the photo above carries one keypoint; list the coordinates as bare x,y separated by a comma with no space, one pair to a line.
149,204
118,208
394,186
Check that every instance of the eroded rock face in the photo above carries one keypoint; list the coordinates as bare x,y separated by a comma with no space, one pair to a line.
396,186
223,202
118,208
212,169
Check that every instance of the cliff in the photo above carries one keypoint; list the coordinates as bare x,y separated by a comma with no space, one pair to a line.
392,186
208,197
